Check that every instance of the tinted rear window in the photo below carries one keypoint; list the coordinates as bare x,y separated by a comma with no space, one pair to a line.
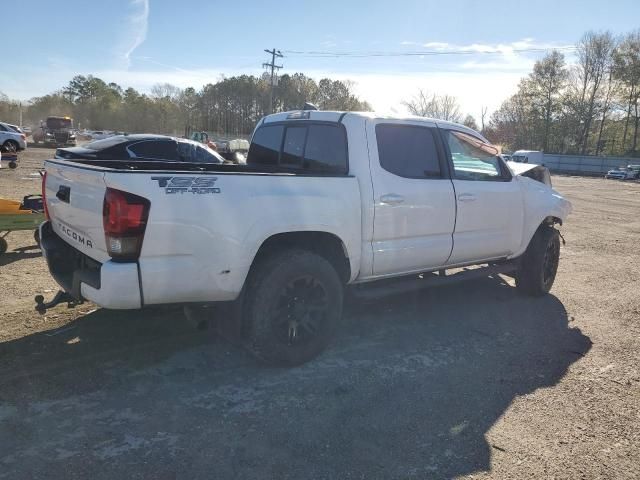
312,148
293,147
265,146
408,151
326,149
106,142
154,149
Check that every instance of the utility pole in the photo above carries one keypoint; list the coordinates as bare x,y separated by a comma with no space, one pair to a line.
274,53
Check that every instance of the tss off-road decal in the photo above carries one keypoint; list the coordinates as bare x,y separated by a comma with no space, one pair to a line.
194,185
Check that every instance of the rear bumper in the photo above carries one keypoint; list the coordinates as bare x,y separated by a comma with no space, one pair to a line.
109,285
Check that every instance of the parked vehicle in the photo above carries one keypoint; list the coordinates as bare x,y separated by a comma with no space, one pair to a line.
13,127
142,148
326,200
99,134
635,169
622,173
234,150
11,140
528,156
55,131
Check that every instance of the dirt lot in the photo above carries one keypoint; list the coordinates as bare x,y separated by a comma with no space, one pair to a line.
470,381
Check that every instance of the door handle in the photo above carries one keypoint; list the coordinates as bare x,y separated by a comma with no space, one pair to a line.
466,197
391,199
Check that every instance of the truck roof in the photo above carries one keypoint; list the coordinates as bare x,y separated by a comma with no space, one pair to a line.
522,152
336,116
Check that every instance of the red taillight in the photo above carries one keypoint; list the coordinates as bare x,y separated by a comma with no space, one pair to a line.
124,216
44,196
23,136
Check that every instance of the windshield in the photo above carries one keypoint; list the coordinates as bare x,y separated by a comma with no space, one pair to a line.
59,123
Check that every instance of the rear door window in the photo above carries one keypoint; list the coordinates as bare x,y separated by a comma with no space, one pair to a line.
326,149
408,151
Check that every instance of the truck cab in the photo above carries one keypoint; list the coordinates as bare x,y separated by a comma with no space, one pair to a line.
56,132
528,156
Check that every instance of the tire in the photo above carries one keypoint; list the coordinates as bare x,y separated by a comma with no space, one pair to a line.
3,246
539,264
36,236
11,146
292,307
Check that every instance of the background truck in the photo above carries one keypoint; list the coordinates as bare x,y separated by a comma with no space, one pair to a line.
235,150
327,200
55,132
528,156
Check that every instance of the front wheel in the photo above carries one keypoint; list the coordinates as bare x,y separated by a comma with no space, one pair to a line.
539,264
292,308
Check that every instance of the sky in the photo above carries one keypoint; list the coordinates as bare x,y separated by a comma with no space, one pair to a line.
139,43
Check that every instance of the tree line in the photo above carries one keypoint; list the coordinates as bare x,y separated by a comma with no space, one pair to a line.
230,106
590,107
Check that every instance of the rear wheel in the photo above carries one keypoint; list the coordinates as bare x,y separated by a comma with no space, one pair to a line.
539,263
10,146
292,308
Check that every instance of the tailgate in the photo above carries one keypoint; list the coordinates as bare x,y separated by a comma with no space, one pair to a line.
75,195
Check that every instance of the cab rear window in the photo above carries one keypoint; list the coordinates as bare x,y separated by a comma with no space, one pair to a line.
308,148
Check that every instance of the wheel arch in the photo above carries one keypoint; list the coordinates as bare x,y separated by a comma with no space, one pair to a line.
327,245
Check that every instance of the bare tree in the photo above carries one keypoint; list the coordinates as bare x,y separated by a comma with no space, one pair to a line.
594,59
546,83
166,90
470,122
626,69
442,107
483,114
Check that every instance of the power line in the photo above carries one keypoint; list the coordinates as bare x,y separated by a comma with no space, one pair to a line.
274,53
327,54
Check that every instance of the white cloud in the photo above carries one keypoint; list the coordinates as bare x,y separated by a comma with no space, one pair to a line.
499,48
137,23
474,90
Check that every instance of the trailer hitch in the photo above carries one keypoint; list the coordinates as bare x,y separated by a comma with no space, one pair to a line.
59,298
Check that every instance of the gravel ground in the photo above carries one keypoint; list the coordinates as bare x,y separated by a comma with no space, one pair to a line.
470,381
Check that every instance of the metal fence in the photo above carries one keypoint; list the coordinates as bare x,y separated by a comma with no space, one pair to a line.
585,165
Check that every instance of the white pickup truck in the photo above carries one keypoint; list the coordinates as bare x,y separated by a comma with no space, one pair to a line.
326,200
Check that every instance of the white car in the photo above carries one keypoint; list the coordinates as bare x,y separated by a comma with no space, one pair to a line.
527,156
99,134
326,200
11,138
622,173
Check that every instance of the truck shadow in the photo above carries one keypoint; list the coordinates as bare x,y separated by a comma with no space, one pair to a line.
409,389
